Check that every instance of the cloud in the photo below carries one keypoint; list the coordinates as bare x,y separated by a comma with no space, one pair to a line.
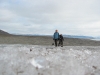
75,17
6,15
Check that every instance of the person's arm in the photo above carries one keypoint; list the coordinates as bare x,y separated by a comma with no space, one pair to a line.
58,36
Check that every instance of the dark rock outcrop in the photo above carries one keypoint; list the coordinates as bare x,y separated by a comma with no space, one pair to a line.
4,32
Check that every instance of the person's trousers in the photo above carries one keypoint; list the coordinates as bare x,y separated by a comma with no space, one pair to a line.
56,40
61,42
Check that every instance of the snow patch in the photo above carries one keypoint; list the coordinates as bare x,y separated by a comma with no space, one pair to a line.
35,63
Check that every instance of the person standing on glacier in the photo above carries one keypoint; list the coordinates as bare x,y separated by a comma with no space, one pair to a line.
61,39
56,37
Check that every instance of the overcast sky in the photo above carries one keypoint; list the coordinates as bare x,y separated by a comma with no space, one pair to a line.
71,17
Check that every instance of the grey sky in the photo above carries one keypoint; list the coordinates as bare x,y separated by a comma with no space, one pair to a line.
72,17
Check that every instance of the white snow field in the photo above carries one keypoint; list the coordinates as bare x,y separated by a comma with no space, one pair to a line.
49,60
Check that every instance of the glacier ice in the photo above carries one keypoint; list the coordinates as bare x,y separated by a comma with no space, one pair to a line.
17,59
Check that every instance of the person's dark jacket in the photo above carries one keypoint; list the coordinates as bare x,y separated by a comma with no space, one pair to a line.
61,37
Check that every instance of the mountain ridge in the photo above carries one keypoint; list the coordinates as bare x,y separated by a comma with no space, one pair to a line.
66,36
2,32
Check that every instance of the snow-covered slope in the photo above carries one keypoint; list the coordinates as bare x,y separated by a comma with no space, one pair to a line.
49,60
3,33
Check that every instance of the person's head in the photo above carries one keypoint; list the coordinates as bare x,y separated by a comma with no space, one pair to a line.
56,30
60,34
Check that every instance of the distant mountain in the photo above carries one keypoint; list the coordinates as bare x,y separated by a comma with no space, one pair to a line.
66,36
3,33
32,35
76,36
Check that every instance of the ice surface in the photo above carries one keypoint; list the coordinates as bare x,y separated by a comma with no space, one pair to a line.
49,60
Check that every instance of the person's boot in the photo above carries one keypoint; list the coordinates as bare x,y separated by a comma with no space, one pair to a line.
61,46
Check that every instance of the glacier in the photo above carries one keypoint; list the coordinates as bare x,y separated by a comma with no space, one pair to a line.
20,59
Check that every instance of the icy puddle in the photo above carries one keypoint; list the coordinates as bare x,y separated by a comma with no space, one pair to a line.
49,60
